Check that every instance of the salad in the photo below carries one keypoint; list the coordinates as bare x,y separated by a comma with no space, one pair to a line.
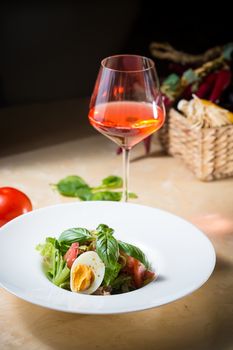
94,262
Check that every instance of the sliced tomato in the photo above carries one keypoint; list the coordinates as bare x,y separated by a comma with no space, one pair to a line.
71,254
149,276
130,262
138,271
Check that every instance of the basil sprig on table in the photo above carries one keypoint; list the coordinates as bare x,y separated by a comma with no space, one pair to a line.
71,185
111,181
107,247
75,186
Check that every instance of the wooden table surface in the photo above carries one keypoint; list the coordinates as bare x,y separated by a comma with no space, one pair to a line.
200,321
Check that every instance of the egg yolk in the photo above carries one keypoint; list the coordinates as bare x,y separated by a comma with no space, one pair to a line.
82,278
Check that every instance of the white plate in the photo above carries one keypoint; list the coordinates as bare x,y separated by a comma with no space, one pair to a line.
182,255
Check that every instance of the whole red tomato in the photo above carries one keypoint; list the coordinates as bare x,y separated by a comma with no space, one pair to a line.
12,203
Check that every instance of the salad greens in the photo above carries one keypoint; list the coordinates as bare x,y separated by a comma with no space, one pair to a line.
54,265
135,252
126,266
75,186
107,248
72,235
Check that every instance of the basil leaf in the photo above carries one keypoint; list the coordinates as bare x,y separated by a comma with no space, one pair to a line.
105,228
70,185
107,248
72,235
111,274
135,252
110,196
106,196
112,181
84,193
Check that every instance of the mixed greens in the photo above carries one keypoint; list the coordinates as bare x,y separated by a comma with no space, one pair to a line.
76,186
126,267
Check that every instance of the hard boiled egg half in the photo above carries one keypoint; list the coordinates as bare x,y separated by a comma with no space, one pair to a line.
87,273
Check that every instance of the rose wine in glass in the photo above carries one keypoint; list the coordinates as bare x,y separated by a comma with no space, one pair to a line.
126,104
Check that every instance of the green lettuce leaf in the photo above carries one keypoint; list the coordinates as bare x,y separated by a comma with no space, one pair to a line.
54,265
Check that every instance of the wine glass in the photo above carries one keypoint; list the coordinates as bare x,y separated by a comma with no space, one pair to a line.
126,104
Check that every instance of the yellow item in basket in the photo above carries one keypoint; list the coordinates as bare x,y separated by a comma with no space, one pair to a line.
205,114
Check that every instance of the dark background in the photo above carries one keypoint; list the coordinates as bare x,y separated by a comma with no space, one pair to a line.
52,50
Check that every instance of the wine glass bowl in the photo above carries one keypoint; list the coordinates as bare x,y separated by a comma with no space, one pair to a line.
126,104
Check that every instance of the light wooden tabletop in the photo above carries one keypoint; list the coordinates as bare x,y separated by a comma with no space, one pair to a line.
202,320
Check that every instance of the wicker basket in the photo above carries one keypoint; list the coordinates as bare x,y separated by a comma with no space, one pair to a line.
208,152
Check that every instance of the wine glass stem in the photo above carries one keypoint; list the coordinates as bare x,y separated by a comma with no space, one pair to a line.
125,193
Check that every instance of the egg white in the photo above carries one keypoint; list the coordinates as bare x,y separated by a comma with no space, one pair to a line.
92,260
